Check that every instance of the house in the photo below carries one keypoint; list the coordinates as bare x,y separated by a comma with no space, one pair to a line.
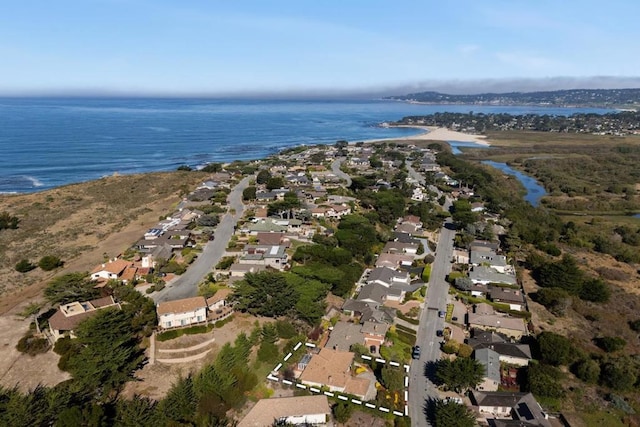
219,299
182,312
298,410
387,277
406,228
374,333
344,335
111,270
332,369
269,256
394,261
400,248
490,259
512,353
68,316
484,245
412,220
273,239
477,207
522,407
486,275
512,297
267,225
238,270
490,360
510,326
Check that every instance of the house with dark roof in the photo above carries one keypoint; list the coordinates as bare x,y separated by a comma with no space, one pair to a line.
68,316
512,353
512,297
517,406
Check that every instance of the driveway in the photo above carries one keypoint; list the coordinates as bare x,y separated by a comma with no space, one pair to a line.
186,285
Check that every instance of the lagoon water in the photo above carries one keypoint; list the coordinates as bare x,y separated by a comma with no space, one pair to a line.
535,191
49,142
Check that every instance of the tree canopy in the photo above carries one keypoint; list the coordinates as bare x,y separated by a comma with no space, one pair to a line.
460,374
70,287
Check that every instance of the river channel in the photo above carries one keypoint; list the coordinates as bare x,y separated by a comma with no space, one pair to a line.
535,191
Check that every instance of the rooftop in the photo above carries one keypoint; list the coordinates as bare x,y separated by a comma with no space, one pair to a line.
181,305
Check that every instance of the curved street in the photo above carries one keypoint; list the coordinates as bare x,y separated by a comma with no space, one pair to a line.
335,167
186,285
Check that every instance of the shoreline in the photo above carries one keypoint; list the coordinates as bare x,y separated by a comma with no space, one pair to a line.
434,133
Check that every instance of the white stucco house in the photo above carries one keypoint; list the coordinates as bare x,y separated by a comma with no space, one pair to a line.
182,312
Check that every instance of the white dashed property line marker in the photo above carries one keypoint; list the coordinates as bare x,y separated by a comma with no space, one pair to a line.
308,344
297,346
315,390
287,357
366,357
406,368
287,382
406,381
406,410
301,386
398,413
383,409
328,393
394,364
343,397
277,368
406,396
272,378
369,405
380,360
356,401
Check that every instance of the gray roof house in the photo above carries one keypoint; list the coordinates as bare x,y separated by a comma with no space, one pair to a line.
486,275
490,360
517,406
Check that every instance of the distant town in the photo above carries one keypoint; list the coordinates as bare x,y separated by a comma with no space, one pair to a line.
607,98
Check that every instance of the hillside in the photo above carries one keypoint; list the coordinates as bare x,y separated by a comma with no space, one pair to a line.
621,98
82,224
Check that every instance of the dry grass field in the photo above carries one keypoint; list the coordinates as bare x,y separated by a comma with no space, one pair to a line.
82,224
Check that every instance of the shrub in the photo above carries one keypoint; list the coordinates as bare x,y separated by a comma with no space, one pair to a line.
595,290
50,262
285,329
587,370
635,325
160,285
610,344
24,266
32,345
450,347
151,289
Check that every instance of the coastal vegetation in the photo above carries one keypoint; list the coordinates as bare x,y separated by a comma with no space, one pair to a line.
79,223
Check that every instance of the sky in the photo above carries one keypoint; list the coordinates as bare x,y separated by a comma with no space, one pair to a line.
209,48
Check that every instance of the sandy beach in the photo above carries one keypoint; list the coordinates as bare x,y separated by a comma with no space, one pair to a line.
432,133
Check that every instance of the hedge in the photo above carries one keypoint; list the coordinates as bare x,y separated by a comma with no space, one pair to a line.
175,333
405,329
407,319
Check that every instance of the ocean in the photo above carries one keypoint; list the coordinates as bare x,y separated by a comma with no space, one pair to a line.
50,142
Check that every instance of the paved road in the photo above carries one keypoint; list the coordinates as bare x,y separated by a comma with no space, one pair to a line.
335,167
420,388
187,285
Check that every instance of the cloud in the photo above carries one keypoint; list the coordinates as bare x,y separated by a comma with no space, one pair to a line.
468,49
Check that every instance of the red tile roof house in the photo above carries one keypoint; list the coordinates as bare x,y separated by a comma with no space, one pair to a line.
68,316
111,270
182,312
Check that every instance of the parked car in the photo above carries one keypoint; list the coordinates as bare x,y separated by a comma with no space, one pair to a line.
441,313
439,332
415,352
454,319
